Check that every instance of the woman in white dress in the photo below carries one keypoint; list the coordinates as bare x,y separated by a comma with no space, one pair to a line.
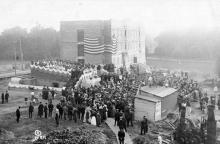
93,121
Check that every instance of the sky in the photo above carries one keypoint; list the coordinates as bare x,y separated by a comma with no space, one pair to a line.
155,15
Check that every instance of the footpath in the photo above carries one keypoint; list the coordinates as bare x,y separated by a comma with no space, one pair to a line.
110,122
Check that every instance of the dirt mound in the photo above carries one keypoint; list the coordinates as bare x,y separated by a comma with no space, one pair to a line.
77,136
6,135
147,139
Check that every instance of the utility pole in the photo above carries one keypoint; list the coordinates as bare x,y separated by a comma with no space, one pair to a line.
21,51
139,38
15,54
125,48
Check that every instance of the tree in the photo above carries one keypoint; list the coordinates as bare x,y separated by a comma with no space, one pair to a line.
194,43
9,41
37,44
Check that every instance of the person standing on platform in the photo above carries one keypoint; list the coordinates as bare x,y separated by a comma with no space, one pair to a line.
30,110
18,114
3,98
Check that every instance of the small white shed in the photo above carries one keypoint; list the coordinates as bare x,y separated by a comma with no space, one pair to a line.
154,102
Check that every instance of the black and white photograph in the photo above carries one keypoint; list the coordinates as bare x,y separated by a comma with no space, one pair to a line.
110,72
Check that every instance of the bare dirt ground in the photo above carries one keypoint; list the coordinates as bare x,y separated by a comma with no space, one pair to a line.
23,132
16,98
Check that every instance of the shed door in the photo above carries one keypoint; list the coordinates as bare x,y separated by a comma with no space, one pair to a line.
144,108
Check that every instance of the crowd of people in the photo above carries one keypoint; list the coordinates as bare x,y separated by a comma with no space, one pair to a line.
55,64
114,97
188,89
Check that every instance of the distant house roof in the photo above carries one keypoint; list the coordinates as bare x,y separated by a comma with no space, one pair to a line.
158,91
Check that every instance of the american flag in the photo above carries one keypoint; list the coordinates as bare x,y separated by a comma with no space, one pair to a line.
93,46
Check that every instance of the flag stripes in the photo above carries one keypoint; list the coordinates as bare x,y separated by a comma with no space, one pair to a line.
93,46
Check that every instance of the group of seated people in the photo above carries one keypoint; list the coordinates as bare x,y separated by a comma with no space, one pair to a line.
58,65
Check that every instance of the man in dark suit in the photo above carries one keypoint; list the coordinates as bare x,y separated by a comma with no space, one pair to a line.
121,136
40,110
18,114
144,125
50,107
30,109
6,96
45,110
3,98
122,124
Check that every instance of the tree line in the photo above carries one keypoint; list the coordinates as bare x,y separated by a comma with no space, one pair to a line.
38,43
42,42
194,43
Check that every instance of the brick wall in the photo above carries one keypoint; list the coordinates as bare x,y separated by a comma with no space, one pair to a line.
94,28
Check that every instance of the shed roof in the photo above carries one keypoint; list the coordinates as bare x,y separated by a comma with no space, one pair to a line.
158,91
147,98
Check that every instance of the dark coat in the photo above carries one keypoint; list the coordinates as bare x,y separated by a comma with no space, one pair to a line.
117,116
219,102
6,95
3,96
45,108
40,109
98,119
121,135
122,124
128,115
50,107
31,108
144,123
18,113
